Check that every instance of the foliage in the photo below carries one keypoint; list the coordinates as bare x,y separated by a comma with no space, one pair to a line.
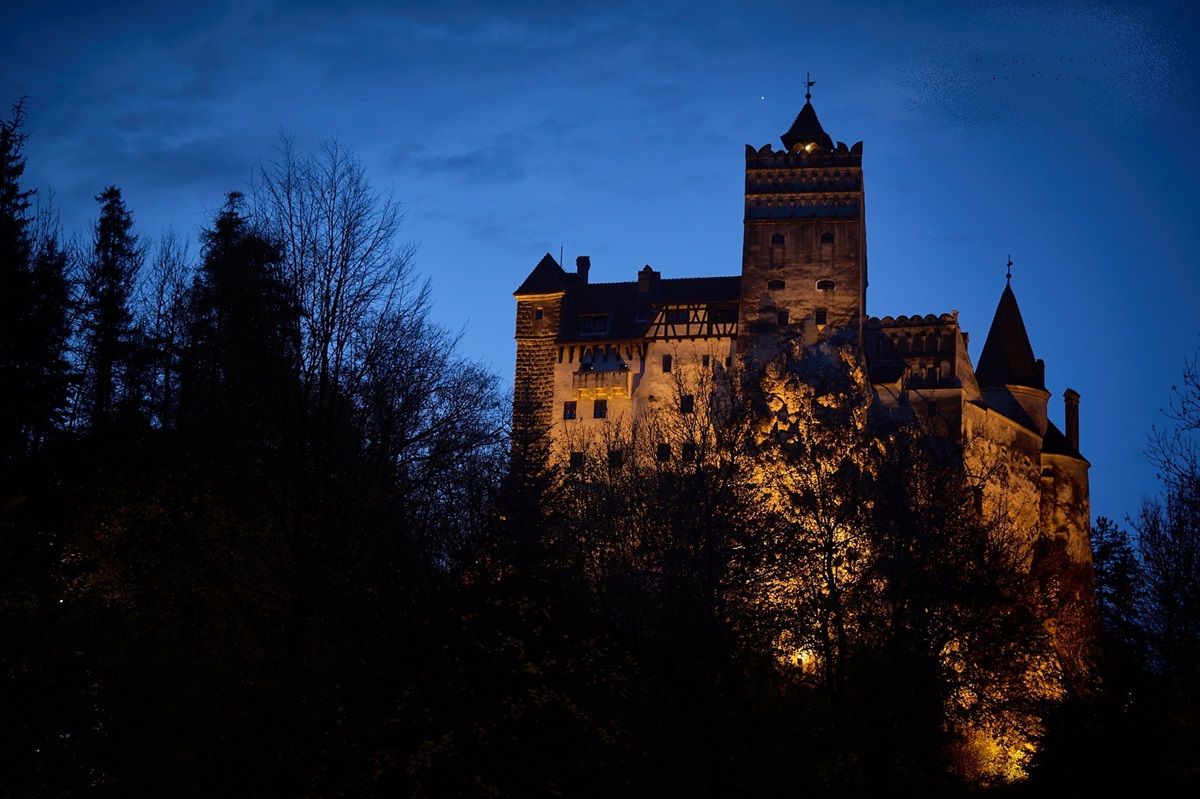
33,306
109,379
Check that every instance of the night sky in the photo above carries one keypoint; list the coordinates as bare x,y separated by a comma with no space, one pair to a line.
1061,134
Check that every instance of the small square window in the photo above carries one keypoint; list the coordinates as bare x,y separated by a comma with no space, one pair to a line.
569,410
576,461
687,403
600,410
689,452
666,363
664,452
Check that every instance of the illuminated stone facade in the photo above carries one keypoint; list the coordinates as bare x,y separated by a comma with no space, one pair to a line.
592,354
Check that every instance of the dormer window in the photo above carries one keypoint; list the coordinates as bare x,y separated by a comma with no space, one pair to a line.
593,324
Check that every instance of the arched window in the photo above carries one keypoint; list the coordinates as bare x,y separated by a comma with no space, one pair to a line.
827,238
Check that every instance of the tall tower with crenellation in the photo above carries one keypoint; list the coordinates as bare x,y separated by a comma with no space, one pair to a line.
804,251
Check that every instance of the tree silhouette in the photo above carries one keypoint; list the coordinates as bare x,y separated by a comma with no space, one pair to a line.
108,381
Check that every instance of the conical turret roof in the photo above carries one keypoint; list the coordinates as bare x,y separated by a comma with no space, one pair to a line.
546,278
1007,357
807,128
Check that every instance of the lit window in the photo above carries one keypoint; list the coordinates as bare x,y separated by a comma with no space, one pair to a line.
569,410
687,403
600,410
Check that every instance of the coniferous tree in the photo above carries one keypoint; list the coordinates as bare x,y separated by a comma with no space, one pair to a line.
33,306
108,377
239,366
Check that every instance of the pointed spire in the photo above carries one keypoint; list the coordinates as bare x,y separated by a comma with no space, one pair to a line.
806,132
1007,357
546,278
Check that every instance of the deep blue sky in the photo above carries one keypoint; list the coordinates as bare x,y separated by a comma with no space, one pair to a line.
1061,133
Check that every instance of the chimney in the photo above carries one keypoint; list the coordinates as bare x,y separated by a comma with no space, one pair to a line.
1071,402
647,292
582,265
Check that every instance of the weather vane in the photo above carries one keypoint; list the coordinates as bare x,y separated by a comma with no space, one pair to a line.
808,84
1008,277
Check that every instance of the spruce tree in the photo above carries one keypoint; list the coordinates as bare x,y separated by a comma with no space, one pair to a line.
33,306
108,324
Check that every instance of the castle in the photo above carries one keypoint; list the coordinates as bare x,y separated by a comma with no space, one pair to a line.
590,353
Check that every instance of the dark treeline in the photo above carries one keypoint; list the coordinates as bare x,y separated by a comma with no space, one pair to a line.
261,534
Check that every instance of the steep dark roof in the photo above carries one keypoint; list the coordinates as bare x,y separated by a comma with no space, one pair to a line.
1007,357
1055,443
546,278
807,128
619,300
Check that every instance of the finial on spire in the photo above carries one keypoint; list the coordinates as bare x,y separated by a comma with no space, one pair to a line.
1008,277
808,84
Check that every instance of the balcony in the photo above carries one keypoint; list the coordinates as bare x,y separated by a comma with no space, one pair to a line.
600,384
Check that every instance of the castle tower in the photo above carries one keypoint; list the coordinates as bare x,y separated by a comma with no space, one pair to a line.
804,251
1011,379
539,312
